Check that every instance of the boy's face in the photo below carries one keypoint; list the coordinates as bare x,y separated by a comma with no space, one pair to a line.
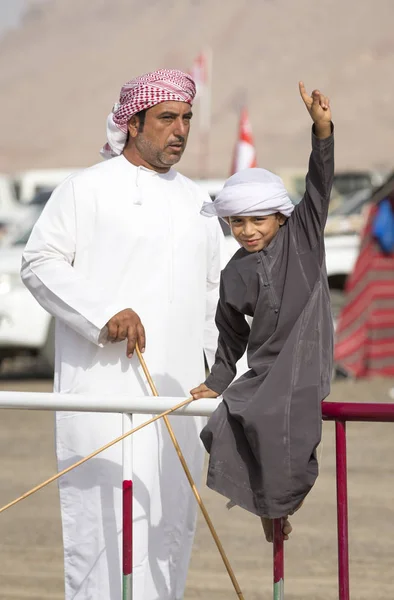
255,233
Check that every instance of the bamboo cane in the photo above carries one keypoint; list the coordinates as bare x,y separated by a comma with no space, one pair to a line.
191,481
93,454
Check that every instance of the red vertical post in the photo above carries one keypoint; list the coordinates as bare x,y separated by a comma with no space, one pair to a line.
127,525
127,539
278,559
342,510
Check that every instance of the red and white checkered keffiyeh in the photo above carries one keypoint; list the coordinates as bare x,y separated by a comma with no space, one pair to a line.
142,93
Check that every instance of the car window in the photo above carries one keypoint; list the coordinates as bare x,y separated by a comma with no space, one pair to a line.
348,183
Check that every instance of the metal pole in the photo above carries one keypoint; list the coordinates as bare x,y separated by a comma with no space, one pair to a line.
342,511
106,403
279,576
127,529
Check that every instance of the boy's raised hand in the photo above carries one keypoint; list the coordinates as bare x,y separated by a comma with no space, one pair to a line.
318,106
202,391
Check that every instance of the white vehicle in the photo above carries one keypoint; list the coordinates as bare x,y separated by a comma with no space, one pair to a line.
8,201
10,210
342,241
24,325
341,255
28,184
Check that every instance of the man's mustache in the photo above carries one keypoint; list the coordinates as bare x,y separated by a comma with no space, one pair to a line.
179,140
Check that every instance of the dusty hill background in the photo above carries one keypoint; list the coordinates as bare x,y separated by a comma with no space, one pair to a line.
60,74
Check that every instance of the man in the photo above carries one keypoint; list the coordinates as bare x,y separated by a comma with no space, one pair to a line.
121,252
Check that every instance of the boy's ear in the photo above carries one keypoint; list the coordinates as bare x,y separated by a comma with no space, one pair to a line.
281,219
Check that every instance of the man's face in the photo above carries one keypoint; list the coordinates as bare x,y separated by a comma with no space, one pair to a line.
255,233
163,138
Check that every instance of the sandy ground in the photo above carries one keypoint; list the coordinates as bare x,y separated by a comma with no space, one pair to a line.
30,541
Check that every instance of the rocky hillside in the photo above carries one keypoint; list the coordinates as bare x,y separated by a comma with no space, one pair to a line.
60,74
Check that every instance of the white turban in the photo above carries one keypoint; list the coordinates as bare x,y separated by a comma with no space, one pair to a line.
251,192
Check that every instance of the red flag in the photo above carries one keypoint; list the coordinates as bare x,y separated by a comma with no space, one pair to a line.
244,152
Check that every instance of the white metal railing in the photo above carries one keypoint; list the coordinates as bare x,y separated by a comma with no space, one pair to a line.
106,403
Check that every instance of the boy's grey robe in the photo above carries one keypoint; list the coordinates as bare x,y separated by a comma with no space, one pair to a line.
262,438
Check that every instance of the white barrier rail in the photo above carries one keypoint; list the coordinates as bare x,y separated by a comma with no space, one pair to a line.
106,403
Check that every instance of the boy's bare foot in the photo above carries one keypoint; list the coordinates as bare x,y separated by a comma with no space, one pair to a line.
269,528
286,529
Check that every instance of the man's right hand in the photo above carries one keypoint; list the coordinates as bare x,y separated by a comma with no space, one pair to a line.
126,324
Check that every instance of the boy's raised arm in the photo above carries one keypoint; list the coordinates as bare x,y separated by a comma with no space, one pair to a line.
319,109
311,212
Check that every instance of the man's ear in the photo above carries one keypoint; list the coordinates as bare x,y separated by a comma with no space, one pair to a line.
133,126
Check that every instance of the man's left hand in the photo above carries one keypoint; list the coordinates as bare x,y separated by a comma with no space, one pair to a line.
318,106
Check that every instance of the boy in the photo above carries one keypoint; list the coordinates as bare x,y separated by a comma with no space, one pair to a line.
263,436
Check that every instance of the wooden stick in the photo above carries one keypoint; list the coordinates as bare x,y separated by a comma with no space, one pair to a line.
83,460
191,481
